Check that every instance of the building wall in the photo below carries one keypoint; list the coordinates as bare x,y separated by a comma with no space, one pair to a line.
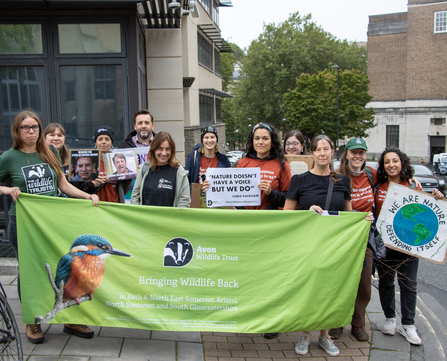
165,83
204,79
406,66
387,56
426,71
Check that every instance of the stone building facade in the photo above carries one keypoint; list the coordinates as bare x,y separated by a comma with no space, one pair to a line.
406,66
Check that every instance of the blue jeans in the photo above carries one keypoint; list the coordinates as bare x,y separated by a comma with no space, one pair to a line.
406,267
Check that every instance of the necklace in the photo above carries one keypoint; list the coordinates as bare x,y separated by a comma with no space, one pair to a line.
27,159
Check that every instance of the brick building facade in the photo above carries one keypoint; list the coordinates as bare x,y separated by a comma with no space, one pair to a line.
407,67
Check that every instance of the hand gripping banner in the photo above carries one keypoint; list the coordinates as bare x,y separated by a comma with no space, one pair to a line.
177,269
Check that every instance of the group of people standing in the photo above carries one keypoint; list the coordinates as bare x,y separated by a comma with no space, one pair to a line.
163,181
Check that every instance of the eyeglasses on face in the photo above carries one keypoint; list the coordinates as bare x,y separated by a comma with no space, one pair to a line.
292,144
26,128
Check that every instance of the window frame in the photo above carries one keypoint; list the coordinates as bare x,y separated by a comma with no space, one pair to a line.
211,106
217,62
37,20
437,21
95,20
202,38
391,134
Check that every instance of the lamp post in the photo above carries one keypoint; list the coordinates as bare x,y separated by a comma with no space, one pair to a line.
338,100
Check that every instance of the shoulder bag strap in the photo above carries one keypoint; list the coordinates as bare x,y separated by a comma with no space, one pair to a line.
329,194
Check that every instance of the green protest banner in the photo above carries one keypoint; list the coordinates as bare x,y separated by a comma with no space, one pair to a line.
190,269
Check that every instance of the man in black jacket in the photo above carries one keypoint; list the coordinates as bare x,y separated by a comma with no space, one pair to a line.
143,134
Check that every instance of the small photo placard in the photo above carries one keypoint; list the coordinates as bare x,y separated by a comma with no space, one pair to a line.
121,165
299,163
84,164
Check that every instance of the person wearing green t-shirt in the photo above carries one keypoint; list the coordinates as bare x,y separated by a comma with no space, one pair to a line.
32,167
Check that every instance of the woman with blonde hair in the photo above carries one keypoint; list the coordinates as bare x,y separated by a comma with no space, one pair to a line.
30,157
162,181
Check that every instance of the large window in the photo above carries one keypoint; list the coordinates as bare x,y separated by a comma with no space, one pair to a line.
216,12
441,22
206,110
206,5
21,88
89,38
90,96
76,71
21,39
392,135
205,52
218,110
216,61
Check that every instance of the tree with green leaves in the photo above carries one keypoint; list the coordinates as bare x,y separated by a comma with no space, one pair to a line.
312,105
280,55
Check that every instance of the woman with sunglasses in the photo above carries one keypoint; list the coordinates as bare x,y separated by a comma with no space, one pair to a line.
28,159
294,143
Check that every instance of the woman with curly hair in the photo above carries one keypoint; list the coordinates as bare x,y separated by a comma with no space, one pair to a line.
394,166
264,150
294,143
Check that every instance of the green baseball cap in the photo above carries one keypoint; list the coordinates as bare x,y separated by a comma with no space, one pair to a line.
356,143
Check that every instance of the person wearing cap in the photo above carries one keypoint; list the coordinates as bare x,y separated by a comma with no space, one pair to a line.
353,165
142,135
205,155
363,179
110,191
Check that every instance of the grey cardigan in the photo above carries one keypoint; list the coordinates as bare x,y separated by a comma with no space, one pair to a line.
181,188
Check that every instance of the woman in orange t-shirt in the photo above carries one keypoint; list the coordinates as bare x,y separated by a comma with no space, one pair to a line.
353,165
394,166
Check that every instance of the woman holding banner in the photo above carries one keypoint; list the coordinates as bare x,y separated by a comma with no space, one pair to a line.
205,155
162,181
310,191
28,160
294,143
394,166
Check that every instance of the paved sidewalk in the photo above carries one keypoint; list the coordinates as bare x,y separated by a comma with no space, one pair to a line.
133,344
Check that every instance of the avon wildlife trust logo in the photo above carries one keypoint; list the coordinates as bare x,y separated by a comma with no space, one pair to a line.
178,252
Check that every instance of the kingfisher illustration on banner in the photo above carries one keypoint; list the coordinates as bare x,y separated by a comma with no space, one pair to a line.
80,272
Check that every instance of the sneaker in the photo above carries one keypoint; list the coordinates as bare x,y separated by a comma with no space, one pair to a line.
79,330
389,328
34,333
302,346
327,345
410,333
336,332
270,335
359,333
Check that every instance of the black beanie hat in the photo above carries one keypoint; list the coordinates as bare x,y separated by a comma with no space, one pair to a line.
208,129
104,129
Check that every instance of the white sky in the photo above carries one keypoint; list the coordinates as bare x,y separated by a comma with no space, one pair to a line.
346,19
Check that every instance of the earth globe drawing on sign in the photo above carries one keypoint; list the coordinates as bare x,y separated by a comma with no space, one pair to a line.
415,224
